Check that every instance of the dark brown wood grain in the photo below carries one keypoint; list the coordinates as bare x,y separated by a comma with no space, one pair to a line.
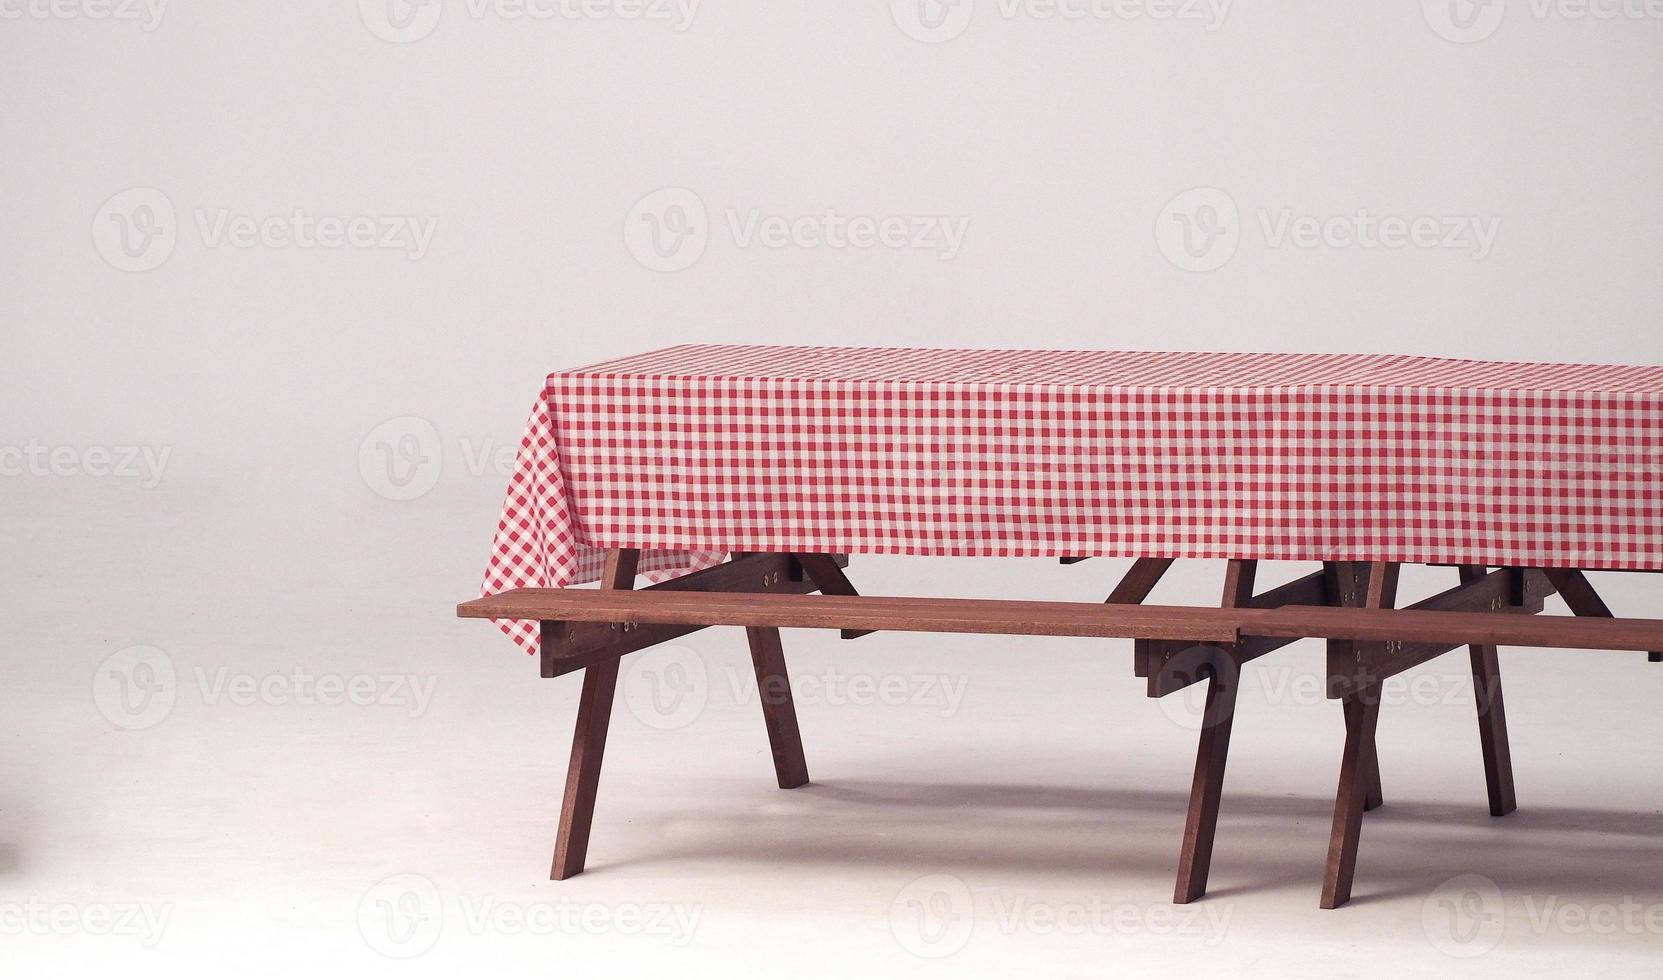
779,710
1212,751
1352,667
925,615
594,715
572,646
824,572
1368,586
1024,618
1492,716
1362,717
1133,588
1310,590
1573,586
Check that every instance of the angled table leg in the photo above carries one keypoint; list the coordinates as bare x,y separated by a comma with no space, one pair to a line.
594,713
1492,719
779,712
1351,584
1359,767
1361,717
1213,749
1139,581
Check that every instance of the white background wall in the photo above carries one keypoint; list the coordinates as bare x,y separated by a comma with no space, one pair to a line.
267,531
524,142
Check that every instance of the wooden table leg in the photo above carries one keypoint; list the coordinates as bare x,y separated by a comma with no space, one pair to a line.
1206,788
1492,718
1359,790
1362,715
1213,749
594,714
779,711
1352,584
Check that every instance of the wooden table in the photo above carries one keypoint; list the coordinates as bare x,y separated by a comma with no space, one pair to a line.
741,476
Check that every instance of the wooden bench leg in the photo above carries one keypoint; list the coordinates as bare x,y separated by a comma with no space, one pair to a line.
1362,715
1207,787
1213,748
1373,587
1492,730
1492,713
1373,798
594,714
779,712
1350,584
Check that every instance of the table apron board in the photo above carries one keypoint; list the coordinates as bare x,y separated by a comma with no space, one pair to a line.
1349,604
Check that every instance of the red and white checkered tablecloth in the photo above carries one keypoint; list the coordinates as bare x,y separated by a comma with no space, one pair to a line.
691,452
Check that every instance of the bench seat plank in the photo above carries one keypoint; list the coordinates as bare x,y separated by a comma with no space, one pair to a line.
1026,618
919,615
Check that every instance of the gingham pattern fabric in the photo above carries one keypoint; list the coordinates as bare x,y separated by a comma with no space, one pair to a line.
695,451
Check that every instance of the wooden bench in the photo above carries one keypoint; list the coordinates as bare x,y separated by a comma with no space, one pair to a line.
1182,624
1347,604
